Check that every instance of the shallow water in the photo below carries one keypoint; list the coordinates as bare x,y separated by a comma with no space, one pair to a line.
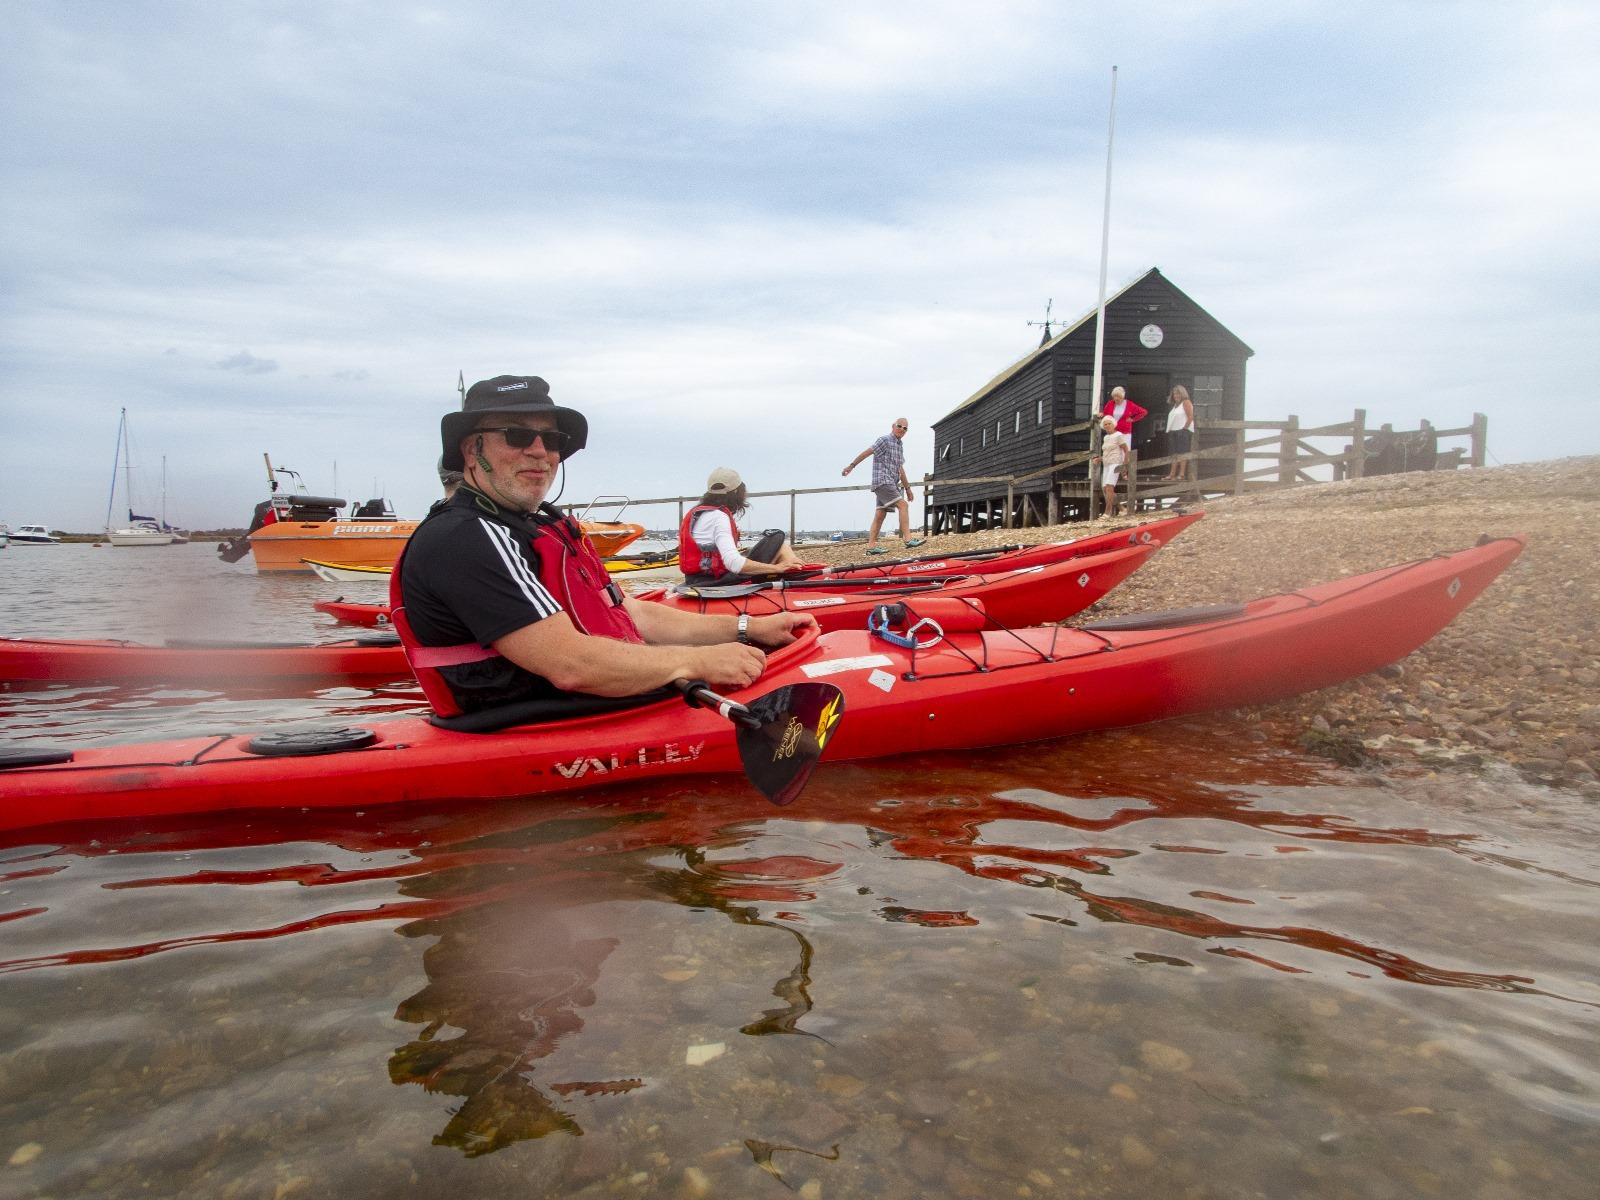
1164,961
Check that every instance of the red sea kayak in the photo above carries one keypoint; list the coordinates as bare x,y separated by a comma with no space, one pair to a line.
969,689
1024,596
347,612
990,561
59,660
1015,557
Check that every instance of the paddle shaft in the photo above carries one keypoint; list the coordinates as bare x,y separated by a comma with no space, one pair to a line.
700,696
878,564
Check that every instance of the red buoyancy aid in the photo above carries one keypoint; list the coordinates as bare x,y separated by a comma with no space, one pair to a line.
567,566
692,560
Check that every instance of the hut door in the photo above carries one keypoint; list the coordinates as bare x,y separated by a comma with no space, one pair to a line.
1150,392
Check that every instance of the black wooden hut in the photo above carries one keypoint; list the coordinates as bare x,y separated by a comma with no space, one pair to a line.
1156,338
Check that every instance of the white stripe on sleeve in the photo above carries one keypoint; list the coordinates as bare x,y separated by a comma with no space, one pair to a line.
518,568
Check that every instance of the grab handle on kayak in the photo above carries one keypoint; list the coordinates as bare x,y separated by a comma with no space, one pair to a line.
880,623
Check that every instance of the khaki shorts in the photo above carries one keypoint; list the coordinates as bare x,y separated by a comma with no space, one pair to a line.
1109,475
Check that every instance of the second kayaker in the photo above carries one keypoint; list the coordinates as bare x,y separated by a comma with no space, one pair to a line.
499,598
708,539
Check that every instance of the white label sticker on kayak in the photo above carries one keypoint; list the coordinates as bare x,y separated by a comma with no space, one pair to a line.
834,666
933,566
881,680
823,603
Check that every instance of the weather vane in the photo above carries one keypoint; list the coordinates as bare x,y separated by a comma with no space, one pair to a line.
1045,322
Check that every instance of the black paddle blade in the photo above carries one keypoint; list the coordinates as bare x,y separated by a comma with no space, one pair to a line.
791,730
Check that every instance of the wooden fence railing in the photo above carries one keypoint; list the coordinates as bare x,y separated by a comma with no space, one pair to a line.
1289,450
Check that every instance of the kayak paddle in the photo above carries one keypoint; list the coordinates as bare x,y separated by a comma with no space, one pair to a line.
780,735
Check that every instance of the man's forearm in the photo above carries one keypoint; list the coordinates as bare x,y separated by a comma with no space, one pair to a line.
661,625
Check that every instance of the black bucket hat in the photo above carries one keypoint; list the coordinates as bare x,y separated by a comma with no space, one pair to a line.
507,394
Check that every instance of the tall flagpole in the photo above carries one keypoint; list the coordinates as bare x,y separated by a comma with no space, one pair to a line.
1100,310
1105,248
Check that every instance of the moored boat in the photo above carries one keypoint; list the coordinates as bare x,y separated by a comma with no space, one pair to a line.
292,529
33,535
958,689
139,531
348,572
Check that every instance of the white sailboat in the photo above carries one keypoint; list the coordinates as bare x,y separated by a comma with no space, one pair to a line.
139,531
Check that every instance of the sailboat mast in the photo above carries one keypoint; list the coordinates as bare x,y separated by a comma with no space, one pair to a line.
127,468
111,500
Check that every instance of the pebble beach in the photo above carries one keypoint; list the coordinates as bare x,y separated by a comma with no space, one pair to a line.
1515,680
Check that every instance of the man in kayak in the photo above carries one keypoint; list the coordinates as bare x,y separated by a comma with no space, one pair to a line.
708,539
890,487
500,598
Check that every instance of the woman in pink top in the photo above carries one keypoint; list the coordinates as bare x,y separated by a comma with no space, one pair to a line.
1125,411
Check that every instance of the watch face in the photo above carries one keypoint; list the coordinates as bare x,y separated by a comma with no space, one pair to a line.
1150,336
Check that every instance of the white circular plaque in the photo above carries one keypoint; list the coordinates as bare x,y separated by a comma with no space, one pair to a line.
1150,336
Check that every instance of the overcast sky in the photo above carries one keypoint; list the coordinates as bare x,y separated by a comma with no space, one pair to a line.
753,235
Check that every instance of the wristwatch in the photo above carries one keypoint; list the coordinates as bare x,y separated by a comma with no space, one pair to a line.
744,628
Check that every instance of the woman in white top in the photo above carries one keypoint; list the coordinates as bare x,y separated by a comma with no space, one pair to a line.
1180,431
708,540
1113,457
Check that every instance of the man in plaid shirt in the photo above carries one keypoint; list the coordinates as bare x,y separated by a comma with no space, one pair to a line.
890,487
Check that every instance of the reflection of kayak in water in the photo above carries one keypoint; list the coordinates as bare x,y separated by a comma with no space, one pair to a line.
959,688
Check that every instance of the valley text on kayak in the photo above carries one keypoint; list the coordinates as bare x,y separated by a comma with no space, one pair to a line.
499,599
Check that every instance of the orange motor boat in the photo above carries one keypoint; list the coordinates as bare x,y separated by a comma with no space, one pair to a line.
291,527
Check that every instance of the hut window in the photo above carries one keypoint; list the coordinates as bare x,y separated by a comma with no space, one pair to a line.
944,455
1082,396
1207,397
985,435
997,426
961,447
1041,412
1016,425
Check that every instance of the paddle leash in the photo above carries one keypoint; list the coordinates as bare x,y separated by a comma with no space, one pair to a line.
780,735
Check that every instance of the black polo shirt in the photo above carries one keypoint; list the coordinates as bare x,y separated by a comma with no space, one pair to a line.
468,577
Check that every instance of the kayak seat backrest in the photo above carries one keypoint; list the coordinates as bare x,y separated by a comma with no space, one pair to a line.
540,712
1170,618
434,689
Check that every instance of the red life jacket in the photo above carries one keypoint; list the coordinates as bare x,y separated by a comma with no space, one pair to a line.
692,560
569,569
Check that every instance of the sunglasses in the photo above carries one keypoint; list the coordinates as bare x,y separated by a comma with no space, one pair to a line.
519,438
